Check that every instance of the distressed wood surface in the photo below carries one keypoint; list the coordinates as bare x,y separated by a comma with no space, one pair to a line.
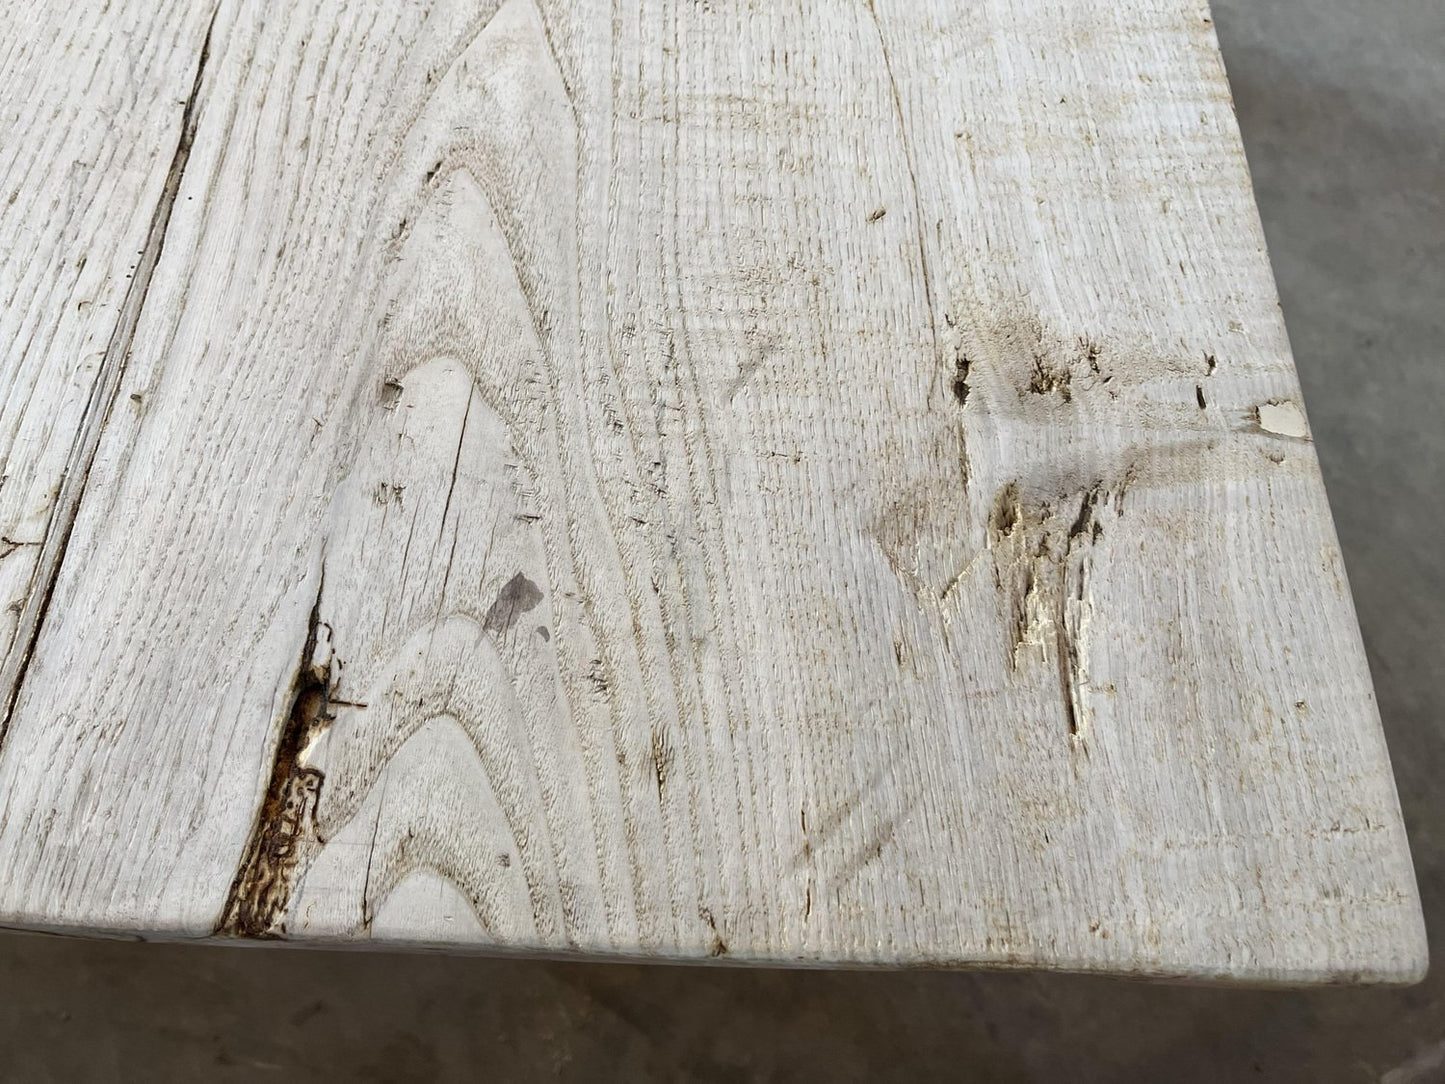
818,483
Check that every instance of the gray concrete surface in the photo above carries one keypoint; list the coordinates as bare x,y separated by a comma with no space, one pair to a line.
1341,104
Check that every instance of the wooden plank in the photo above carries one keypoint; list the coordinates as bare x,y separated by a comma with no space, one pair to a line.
817,483
95,124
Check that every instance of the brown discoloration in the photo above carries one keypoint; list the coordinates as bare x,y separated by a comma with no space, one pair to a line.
517,597
285,826
719,946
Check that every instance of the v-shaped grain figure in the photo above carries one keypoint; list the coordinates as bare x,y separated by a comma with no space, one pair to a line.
439,587
502,686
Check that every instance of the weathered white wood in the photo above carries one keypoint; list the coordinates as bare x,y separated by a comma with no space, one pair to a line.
93,110
815,482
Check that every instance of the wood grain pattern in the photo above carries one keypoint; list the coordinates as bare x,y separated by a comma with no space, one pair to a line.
98,132
804,483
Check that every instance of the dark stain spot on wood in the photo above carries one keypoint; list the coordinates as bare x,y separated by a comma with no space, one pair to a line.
1211,363
719,946
1085,523
545,633
961,366
877,214
517,597
1199,396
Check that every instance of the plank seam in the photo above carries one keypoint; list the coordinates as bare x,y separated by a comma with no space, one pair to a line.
99,403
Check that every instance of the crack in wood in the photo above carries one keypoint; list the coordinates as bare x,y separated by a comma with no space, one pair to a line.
256,904
103,393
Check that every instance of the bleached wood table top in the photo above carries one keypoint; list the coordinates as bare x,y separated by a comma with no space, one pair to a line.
809,482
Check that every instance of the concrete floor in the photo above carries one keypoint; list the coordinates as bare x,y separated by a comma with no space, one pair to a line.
1340,101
